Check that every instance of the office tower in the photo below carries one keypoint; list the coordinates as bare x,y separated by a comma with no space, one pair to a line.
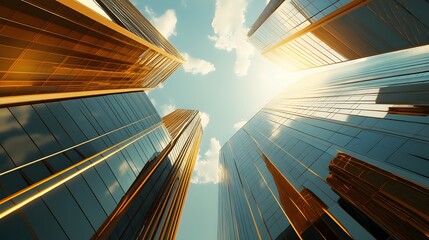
301,34
170,180
66,48
104,166
339,155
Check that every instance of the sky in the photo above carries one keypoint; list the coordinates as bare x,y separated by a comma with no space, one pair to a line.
224,78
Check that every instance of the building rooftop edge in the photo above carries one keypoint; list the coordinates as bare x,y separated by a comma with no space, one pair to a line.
266,13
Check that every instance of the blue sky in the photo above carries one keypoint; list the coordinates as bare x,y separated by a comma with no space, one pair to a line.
224,78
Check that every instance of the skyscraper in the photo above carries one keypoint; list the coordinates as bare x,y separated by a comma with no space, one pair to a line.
170,180
83,152
64,47
339,155
302,34
104,165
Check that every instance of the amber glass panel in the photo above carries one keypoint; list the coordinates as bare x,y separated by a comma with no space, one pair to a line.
415,111
49,47
396,204
305,211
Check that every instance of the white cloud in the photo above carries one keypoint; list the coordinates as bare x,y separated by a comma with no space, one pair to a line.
196,65
167,108
113,187
166,23
123,168
205,118
230,33
239,124
206,168
7,121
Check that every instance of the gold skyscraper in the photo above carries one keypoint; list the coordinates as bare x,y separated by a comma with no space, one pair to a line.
65,47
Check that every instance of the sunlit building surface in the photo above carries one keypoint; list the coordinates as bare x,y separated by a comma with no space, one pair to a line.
302,34
102,167
339,155
64,46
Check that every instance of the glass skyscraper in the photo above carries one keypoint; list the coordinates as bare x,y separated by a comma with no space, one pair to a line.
301,34
105,165
340,155
83,152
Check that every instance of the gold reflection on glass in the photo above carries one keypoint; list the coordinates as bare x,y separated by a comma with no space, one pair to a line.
50,183
62,46
398,205
163,221
305,211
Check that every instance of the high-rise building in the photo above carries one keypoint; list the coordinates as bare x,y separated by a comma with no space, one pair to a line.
163,192
302,34
69,50
104,166
83,152
340,155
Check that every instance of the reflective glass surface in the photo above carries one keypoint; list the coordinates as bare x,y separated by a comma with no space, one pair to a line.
153,205
82,156
274,170
301,34
63,46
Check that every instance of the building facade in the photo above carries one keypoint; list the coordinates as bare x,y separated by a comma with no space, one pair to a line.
83,152
66,47
339,155
301,34
105,166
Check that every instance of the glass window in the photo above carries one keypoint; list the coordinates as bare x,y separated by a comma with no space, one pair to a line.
15,227
110,181
100,190
48,228
87,201
68,213
66,122
12,135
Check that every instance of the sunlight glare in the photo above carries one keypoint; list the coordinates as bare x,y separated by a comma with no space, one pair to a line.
268,79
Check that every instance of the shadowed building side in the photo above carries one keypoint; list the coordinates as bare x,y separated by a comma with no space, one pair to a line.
301,34
379,198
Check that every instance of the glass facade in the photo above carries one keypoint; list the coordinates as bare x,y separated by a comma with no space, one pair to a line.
68,166
153,207
129,17
63,46
339,155
302,34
